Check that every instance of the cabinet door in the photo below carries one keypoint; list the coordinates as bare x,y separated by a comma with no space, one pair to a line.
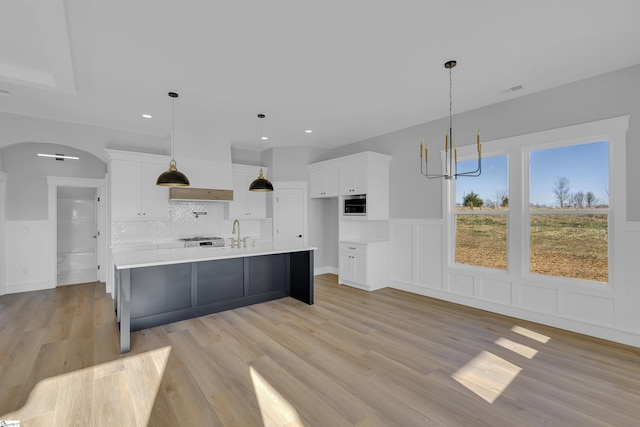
345,267
256,202
324,183
247,204
125,189
359,268
316,184
353,179
240,190
154,199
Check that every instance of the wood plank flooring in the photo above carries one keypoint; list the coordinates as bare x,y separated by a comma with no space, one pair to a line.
354,358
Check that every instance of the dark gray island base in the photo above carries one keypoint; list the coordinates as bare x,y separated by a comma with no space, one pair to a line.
155,295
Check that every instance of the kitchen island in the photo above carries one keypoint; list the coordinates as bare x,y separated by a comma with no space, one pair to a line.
161,286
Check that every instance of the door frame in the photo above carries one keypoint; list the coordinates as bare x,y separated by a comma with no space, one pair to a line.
296,185
53,183
3,239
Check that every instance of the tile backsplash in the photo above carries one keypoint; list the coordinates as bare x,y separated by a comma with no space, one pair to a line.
187,219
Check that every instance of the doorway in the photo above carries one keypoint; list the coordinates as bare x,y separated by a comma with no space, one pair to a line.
77,231
76,222
290,213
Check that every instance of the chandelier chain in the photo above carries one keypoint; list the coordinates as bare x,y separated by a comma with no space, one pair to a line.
450,104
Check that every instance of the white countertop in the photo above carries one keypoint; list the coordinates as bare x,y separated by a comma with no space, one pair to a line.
156,257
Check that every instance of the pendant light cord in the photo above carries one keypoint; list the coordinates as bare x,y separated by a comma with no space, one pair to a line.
450,106
173,128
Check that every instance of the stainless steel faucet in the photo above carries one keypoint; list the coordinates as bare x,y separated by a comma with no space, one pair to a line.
238,240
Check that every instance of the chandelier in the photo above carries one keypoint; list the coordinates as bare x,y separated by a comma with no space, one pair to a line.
450,150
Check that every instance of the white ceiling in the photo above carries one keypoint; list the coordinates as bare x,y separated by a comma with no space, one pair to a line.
348,70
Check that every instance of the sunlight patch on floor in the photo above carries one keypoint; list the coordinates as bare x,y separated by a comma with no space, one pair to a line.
487,375
521,349
530,334
274,408
121,392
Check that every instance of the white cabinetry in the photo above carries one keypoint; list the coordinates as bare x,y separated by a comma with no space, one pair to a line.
246,204
323,182
353,178
133,189
363,265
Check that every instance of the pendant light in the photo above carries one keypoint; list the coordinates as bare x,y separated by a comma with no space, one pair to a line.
173,177
261,184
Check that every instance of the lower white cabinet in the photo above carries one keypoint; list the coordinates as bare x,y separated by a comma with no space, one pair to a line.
363,265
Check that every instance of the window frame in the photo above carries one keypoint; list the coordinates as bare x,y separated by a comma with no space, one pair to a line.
517,149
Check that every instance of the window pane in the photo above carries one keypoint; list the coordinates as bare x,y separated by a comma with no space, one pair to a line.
482,240
574,246
491,188
575,176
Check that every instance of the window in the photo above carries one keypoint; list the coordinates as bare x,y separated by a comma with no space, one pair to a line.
482,205
569,211
549,206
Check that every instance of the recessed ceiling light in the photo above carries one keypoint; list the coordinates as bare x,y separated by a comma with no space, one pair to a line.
147,116
6,93
308,131
58,156
265,137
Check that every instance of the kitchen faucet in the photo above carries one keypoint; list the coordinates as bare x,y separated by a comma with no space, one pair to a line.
238,240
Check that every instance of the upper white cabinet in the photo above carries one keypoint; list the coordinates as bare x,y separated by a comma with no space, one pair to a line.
323,182
133,189
362,173
246,204
353,178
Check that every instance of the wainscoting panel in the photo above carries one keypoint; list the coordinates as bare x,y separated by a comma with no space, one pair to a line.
633,276
538,299
429,256
402,252
590,308
497,291
27,257
461,284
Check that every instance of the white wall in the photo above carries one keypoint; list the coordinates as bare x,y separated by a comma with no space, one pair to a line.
27,189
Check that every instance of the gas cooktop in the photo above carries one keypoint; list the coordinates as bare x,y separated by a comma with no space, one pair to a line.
198,241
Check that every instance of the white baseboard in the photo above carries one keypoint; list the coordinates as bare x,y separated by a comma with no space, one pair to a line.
325,270
28,287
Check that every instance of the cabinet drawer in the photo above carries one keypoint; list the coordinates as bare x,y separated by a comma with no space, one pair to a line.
354,248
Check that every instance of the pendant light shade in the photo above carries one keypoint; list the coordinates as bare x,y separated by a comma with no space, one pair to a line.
261,184
173,177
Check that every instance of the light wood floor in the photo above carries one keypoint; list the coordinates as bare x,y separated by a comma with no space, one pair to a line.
354,358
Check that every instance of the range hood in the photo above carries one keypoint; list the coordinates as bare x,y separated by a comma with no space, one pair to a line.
203,194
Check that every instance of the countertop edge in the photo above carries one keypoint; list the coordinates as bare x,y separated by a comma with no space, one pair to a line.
159,257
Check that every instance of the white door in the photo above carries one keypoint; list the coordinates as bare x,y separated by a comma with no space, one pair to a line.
290,213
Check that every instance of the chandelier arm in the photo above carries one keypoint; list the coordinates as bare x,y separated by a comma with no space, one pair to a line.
476,172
